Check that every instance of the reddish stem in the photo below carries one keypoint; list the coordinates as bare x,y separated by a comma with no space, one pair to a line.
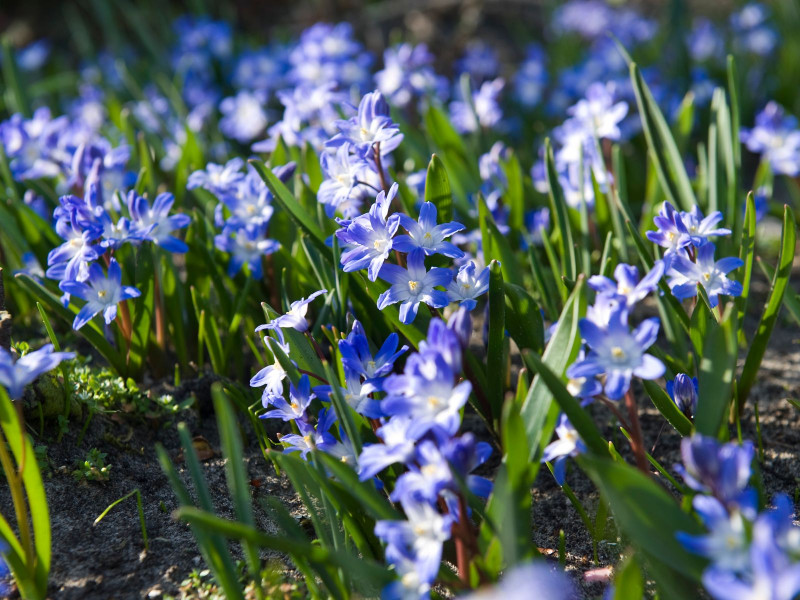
637,443
376,151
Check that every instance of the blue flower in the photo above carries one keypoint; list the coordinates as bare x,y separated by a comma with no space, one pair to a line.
344,187
598,113
426,235
537,223
369,236
479,61
295,317
671,233
751,30
683,391
776,138
397,447
685,275
531,77
412,286
568,444
419,539
357,356
272,376
431,470
243,117
357,395
519,583
719,469
467,286
726,545
772,572
483,112
628,289
370,127
426,393
618,353
102,293
408,73
701,228
14,376
310,437
247,246
157,221
76,252
220,180
300,397
705,41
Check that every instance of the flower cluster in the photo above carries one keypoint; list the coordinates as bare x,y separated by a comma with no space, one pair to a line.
776,138
243,212
689,253
751,554
578,157
423,407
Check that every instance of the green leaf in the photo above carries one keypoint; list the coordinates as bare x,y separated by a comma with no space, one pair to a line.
235,469
16,97
702,320
628,581
746,253
509,506
496,246
495,355
645,512
569,405
524,321
367,569
90,331
716,373
375,504
561,350
212,545
443,134
558,206
515,194
758,344
667,407
668,160
437,189
28,471
286,200
141,309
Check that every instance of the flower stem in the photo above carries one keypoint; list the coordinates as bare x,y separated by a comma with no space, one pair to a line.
376,151
637,444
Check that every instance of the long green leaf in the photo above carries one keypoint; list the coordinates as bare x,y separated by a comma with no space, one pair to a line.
645,512
717,373
437,189
667,407
561,350
668,160
570,406
524,319
287,201
758,344
495,356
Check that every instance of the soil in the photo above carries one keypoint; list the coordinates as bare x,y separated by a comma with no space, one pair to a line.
108,560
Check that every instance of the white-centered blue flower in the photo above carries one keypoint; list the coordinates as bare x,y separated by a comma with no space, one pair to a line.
15,375
102,293
413,285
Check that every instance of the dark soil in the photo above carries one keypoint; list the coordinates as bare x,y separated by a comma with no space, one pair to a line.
108,560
